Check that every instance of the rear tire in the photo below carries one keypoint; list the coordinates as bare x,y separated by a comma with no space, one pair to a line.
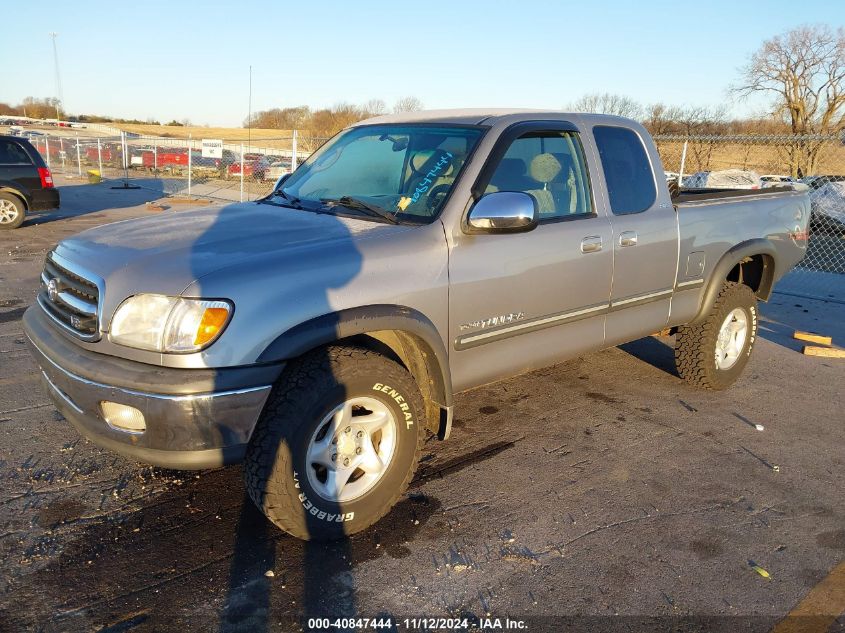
12,211
312,434
712,354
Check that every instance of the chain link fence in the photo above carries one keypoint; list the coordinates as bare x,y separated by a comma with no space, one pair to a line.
226,169
813,162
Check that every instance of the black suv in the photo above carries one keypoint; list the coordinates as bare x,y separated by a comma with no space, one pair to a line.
26,183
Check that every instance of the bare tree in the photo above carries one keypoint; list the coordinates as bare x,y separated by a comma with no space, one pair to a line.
704,123
408,104
804,71
608,103
42,108
658,118
6,109
374,107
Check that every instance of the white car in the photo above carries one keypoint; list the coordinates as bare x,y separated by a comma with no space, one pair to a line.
828,207
277,170
724,179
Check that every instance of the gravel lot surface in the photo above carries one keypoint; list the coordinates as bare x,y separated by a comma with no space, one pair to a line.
604,486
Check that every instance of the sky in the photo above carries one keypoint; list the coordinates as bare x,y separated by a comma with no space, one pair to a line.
190,60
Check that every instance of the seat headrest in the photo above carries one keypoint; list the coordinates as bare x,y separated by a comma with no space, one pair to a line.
544,168
419,160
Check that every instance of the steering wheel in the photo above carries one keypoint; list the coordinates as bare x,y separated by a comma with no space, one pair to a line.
434,196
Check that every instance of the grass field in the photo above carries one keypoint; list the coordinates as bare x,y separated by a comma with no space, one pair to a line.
257,136
754,155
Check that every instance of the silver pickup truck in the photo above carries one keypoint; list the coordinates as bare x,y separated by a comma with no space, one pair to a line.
319,334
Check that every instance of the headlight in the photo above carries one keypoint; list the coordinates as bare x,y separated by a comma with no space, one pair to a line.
169,324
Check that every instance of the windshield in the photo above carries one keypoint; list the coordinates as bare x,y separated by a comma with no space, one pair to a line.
405,170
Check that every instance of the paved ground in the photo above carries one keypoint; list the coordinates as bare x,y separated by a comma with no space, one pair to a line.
601,487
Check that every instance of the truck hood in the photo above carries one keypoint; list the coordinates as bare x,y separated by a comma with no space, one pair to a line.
165,254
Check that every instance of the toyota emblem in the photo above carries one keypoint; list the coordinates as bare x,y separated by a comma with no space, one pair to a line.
53,290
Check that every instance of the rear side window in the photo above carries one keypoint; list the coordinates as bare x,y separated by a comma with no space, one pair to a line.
630,180
13,154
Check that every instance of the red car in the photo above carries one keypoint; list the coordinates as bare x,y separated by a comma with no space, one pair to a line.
256,167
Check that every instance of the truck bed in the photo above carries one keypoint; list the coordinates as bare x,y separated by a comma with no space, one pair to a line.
712,221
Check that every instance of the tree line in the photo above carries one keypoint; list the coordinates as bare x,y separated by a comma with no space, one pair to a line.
325,122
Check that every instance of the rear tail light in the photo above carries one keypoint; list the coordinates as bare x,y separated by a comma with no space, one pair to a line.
46,178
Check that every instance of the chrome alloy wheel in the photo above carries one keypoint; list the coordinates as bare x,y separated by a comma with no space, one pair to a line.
351,449
8,212
731,339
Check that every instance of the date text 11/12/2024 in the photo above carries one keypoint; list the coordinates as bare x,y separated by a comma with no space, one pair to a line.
419,624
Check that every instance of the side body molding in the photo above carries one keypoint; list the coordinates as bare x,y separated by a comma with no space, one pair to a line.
757,246
367,320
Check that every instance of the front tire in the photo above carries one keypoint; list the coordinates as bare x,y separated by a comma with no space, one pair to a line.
12,211
712,354
337,444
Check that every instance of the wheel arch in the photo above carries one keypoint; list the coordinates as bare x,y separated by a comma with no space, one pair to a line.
752,263
406,334
20,196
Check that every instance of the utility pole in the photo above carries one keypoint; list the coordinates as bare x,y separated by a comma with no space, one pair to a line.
249,111
58,76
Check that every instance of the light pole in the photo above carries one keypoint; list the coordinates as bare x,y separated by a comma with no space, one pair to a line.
58,76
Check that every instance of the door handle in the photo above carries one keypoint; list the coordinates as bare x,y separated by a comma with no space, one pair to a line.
591,244
628,238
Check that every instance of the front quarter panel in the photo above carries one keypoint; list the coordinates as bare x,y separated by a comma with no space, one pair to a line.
405,266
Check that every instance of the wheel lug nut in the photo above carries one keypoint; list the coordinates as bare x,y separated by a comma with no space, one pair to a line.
360,434
348,429
346,462
334,457
358,451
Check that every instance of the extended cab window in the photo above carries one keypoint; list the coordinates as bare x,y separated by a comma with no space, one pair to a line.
13,154
550,167
627,170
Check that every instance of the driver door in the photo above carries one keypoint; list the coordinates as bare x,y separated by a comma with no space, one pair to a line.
520,301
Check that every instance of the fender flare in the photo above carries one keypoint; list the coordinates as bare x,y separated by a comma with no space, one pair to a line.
334,326
734,255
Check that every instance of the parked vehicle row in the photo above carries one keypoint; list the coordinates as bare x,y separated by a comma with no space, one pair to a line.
257,167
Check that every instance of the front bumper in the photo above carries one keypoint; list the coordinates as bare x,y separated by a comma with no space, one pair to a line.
194,418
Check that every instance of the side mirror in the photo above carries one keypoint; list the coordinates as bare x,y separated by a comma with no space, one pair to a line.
503,212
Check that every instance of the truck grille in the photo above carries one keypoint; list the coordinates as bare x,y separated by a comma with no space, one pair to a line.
69,298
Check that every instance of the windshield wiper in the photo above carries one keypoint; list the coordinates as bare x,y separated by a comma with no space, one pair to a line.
293,200
355,203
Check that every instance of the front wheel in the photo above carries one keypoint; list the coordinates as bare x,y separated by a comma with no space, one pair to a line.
337,444
712,354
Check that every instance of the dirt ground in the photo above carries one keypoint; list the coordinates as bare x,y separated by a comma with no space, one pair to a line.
600,494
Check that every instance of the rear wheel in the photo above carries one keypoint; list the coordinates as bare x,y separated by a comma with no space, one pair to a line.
712,354
337,444
12,211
